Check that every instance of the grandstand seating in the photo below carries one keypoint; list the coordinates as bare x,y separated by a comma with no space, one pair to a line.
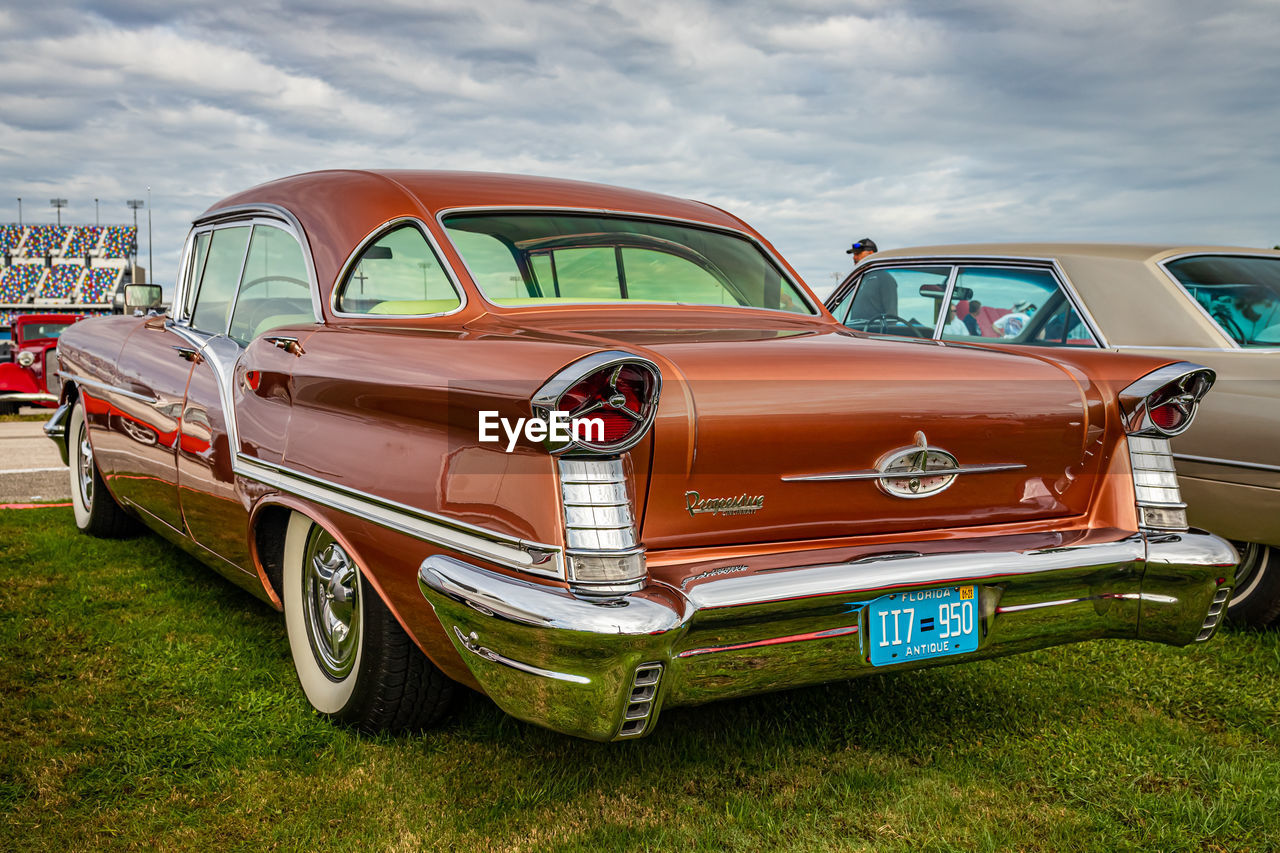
44,239
62,281
10,237
19,282
119,241
100,284
84,240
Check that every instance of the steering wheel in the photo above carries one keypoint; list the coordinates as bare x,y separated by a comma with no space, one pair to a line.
266,278
1234,330
882,320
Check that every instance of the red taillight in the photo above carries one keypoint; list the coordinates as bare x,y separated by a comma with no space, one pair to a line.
618,396
1168,416
608,399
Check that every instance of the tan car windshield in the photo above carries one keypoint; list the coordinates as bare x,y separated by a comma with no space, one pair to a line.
538,259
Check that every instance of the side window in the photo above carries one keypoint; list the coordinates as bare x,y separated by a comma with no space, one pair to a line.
218,282
1024,306
274,290
896,301
398,274
586,273
198,255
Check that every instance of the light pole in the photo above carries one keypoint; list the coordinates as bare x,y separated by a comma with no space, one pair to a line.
57,204
134,204
19,211
151,261
96,220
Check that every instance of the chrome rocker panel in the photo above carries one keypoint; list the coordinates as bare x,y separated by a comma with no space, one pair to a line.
604,670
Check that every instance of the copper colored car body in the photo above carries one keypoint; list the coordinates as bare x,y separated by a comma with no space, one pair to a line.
1215,305
770,501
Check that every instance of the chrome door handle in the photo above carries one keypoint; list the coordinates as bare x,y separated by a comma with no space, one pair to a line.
289,345
189,354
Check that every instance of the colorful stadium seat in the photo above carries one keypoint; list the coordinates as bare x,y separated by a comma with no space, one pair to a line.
100,284
119,241
19,282
84,239
10,237
62,281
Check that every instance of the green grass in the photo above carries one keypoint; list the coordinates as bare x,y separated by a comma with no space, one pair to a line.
146,703
12,418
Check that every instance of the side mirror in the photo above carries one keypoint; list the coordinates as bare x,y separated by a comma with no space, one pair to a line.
141,298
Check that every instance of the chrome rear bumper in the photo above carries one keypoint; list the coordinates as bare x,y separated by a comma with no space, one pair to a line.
28,397
604,670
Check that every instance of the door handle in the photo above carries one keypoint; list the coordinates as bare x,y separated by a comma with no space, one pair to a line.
289,345
189,354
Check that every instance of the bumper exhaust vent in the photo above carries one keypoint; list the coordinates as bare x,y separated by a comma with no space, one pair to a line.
644,690
1216,609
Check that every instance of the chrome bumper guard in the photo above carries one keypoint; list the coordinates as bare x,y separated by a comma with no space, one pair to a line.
55,429
604,669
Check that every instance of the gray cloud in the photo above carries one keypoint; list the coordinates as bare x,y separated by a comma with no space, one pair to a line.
817,121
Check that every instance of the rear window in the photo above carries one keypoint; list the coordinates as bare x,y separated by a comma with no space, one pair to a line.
523,259
1241,294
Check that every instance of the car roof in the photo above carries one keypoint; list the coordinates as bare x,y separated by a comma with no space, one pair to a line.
1129,297
338,208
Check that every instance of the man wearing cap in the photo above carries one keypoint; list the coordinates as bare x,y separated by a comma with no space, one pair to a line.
877,295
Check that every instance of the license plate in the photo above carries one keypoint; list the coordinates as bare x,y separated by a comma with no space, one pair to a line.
929,623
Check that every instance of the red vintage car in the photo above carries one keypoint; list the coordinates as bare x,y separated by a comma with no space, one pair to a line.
29,376
598,452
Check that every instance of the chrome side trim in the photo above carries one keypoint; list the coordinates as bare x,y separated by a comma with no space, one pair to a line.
898,475
383,229
107,388
810,300
509,551
1230,463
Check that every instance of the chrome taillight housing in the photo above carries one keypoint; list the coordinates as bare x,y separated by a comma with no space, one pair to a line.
619,392
1163,403
1158,406
609,400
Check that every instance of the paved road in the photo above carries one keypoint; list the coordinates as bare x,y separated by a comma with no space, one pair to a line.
30,468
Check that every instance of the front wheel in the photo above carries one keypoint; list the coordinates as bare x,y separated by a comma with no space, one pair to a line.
1256,599
96,512
356,664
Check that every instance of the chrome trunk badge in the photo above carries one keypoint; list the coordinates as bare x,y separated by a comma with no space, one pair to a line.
917,471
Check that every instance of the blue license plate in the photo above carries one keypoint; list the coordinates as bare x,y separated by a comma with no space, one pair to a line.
928,623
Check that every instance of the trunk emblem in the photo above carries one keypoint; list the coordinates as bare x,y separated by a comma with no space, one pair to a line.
917,471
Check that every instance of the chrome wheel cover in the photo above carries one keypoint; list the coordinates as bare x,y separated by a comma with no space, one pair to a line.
331,604
1251,557
84,467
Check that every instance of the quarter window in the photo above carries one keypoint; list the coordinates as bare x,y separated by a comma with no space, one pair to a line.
218,282
896,301
398,274
1241,294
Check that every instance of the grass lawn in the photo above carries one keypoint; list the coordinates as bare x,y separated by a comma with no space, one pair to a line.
146,703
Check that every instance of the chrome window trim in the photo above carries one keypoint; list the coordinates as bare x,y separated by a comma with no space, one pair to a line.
533,558
1221,332
1230,463
386,228
802,289
237,213
1006,261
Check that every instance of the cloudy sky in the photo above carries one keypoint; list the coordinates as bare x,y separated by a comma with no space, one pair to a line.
817,121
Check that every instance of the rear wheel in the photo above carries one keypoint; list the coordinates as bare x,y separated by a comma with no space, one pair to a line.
96,512
356,664
1256,599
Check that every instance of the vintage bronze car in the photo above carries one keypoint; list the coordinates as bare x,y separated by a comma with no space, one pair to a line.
597,452
28,375
1215,305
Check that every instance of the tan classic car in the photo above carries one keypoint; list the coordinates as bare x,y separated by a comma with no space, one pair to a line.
1214,305
598,452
